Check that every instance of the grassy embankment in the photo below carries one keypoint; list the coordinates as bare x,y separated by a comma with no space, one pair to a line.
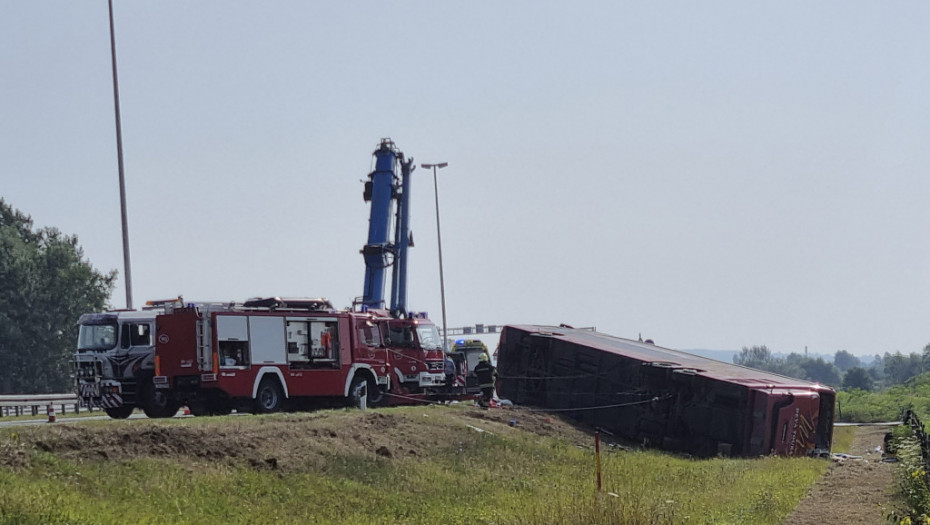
406,465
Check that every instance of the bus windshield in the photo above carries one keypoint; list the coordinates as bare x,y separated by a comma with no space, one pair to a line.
97,336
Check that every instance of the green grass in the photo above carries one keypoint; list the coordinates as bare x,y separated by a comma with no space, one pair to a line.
842,439
508,477
887,405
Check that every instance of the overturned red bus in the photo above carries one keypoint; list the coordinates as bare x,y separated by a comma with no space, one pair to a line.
663,397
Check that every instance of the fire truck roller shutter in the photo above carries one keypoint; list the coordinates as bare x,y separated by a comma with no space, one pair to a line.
268,337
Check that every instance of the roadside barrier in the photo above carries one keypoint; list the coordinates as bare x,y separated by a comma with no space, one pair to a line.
23,405
911,419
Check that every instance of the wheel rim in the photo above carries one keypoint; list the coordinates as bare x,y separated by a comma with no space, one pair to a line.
269,398
160,399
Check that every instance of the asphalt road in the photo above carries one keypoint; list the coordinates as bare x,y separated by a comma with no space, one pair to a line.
43,420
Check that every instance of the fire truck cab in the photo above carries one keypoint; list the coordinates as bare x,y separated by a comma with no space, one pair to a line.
114,362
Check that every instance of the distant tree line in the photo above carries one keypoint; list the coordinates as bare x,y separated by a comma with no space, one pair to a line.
45,285
845,370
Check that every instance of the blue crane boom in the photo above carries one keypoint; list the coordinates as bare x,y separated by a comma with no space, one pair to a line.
403,240
383,189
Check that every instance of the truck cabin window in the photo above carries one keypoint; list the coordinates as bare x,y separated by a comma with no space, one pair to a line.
141,334
429,337
135,334
97,336
401,335
369,334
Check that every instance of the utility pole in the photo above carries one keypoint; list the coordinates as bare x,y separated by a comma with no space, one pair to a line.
127,269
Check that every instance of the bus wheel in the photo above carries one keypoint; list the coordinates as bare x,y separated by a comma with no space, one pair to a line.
119,412
269,397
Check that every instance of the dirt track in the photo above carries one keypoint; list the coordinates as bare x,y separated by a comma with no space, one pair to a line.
853,491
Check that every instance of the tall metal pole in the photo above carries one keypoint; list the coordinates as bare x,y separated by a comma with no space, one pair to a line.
442,286
127,270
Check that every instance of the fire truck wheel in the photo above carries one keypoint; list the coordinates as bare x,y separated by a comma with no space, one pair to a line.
372,393
375,395
269,397
157,404
119,412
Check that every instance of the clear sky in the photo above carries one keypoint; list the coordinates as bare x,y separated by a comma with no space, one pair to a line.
709,174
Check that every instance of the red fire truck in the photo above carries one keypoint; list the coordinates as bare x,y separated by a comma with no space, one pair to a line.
256,355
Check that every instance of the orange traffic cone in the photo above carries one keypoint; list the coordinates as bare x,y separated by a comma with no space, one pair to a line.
51,413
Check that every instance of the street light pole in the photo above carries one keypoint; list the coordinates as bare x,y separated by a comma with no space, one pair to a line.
127,270
442,286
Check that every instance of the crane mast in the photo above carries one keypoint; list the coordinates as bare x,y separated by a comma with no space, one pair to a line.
403,240
383,190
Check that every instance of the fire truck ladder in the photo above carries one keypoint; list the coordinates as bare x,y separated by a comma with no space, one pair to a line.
204,336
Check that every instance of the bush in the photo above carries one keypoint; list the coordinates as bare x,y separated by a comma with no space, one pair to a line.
912,479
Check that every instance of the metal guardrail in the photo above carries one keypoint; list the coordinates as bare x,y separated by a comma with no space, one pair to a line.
911,419
21,405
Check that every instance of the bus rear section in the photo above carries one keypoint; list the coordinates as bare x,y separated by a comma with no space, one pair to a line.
792,421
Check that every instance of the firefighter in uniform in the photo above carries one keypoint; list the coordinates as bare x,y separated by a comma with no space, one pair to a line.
487,375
